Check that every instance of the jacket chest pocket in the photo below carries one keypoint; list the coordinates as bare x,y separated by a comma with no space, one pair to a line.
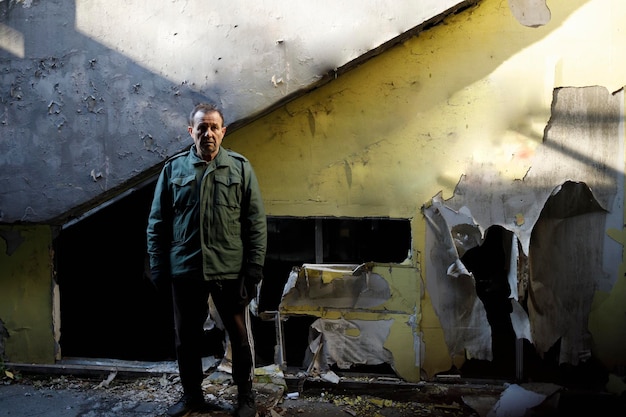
184,192
227,192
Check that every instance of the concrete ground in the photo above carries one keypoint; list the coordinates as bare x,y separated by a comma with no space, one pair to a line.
62,393
29,400
69,396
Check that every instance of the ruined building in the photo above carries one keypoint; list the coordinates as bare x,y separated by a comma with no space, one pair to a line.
444,180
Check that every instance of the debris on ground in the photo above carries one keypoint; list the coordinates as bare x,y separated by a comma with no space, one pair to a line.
116,394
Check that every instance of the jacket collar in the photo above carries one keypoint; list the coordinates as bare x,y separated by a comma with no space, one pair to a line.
221,159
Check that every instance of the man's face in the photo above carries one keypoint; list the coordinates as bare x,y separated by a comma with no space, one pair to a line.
207,133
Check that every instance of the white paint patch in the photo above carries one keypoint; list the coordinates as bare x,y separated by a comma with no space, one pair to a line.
532,13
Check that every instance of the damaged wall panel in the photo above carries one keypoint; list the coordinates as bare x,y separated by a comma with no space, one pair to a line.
565,270
367,315
471,99
560,212
451,287
346,343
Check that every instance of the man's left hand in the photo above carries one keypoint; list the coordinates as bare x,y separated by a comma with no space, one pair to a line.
251,276
253,273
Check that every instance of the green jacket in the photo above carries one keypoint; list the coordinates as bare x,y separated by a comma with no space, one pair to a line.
206,217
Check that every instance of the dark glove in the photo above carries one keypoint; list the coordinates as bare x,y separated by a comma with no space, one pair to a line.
160,279
251,276
253,273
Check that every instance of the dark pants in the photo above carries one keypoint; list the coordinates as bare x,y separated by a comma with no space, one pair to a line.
190,295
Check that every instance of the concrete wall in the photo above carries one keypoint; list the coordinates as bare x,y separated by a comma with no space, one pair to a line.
95,94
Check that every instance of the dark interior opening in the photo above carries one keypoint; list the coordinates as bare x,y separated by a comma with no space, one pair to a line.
109,308
294,241
489,263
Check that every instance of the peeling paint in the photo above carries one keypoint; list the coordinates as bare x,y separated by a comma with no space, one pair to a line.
563,234
262,54
558,306
368,315
542,159
451,286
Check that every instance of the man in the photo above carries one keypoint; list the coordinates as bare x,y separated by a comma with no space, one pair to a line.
207,235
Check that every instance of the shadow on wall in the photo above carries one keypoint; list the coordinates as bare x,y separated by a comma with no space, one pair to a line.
106,119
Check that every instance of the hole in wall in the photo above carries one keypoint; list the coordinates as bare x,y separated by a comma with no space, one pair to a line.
294,241
489,263
562,262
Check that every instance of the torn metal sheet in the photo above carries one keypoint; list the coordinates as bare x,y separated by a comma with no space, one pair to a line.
451,287
517,400
368,315
347,343
335,286
559,212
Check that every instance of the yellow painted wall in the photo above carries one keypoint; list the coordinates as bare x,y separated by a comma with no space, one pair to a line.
386,137
26,298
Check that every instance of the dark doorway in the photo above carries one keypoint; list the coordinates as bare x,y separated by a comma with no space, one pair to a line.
109,308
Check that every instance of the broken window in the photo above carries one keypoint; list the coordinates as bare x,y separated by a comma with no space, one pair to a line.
293,242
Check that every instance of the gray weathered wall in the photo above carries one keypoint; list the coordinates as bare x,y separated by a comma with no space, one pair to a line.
94,94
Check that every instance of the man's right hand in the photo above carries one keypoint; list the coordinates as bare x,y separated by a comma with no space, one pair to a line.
160,280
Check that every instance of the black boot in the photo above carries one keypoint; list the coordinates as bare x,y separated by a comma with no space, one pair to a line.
185,405
246,406
189,403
